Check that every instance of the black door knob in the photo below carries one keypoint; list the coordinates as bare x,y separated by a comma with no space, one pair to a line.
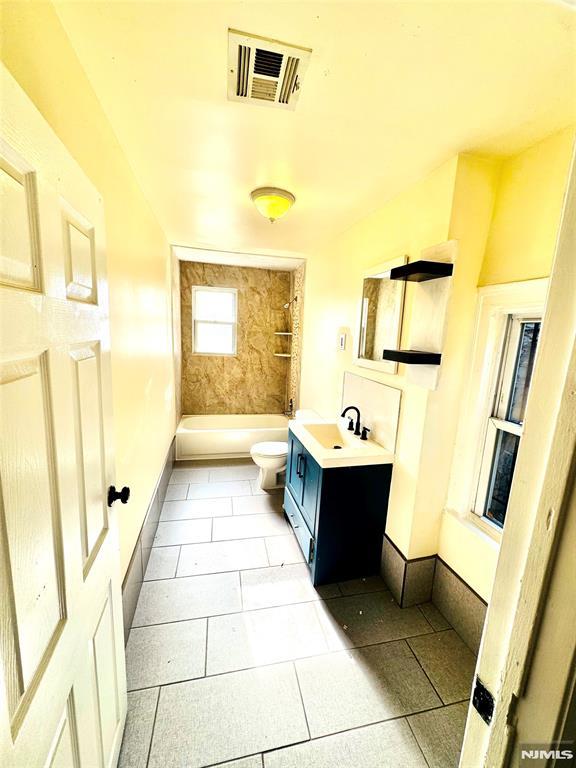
114,495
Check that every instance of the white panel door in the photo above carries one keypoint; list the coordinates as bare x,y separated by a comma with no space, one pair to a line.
62,673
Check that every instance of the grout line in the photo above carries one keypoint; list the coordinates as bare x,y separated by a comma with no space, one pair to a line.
264,607
153,727
241,592
426,618
423,670
416,739
397,718
285,661
177,563
301,699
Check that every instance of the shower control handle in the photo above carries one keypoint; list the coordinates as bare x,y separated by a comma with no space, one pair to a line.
114,495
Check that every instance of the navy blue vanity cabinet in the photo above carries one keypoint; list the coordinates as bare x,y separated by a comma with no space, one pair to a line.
338,514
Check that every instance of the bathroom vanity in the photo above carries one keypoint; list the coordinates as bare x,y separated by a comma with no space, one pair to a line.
336,500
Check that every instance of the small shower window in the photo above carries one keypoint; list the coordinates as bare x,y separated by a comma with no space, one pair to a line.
214,320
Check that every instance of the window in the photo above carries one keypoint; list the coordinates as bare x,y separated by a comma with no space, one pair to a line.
214,320
505,422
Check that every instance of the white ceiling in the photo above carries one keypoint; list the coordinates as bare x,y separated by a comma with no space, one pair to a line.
254,260
393,89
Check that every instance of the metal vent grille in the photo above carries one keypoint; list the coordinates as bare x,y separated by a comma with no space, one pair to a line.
290,83
268,63
263,71
243,70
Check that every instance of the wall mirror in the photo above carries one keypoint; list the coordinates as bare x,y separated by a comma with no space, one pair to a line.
380,316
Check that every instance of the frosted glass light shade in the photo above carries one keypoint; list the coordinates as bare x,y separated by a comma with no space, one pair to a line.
272,202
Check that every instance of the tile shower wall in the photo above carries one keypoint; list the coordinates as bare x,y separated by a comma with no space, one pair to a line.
254,380
296,311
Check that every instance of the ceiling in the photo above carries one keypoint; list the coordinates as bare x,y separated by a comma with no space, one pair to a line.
393,89
254,260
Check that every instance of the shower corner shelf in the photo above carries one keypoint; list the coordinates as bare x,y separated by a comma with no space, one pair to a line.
282,333
282,354
422,270
412,356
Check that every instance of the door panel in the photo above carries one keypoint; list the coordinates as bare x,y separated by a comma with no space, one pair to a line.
62,673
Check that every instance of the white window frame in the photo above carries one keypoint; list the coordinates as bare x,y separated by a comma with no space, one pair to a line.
234,324
499,401
495,304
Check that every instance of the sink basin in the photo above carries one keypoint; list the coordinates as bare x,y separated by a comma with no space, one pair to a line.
333,445
332,435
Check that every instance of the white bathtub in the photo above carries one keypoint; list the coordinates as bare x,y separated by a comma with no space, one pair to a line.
226,437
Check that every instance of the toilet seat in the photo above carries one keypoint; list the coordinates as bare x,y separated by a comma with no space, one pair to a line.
270,448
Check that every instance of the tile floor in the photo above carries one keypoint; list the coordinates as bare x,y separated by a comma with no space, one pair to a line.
235,660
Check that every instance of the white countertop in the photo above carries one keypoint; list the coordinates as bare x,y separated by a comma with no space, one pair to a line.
319,437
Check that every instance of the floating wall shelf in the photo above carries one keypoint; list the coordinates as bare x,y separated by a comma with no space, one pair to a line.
412,357
420,271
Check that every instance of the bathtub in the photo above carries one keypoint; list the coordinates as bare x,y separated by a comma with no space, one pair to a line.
226,437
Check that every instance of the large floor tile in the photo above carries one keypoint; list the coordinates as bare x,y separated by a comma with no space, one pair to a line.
189,476
190,509
189,598
284,550
219,490
351,688
281,585
176,492
240,472
385,745
138,730
361,586
255,638
166,653
448,662
249,526
257,505
220,718
372,618
183,532
440,734
162,563
220,556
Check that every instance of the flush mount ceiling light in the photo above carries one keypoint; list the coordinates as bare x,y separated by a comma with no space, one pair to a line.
272,202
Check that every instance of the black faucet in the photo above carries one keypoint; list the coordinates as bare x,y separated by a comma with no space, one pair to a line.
353,408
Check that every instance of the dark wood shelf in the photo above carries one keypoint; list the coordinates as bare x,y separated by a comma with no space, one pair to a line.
412,357
419,271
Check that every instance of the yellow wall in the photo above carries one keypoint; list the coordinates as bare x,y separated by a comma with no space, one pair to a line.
528,207
504,216
38,54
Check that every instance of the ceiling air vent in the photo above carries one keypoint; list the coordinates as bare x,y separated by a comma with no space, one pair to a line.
265,71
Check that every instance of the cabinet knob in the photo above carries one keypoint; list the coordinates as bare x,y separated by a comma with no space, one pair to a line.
114,495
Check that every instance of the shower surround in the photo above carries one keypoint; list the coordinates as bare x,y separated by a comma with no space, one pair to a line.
254,380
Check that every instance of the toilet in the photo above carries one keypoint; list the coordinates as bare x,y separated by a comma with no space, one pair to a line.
271,458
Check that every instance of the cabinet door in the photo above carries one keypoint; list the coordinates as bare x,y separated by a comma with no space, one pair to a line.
293,471
311,474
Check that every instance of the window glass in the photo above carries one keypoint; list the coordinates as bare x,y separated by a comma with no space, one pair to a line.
219,306
216,338
523,372
500,482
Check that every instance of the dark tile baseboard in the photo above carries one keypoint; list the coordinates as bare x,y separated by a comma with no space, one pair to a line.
410,581
427,579
139,560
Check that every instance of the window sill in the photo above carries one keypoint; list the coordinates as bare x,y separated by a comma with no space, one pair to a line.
477,526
